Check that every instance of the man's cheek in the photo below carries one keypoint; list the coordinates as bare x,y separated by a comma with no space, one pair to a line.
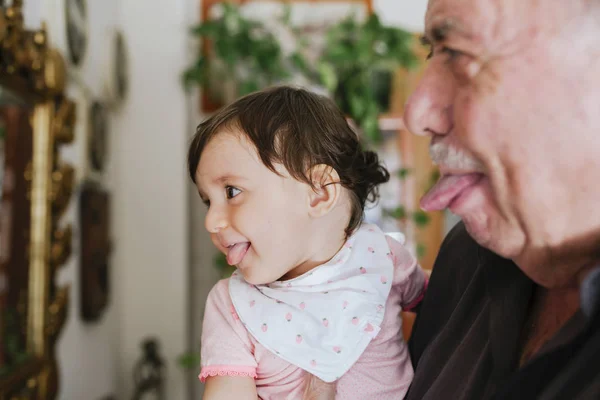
472,124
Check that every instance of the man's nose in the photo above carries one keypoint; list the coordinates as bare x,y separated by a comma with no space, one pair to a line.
216,219
428,110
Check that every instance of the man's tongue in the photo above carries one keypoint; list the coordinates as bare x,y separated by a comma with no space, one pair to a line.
447,189
236,253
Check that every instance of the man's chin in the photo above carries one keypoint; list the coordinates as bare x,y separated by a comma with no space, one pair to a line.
489,230
484,223
478,229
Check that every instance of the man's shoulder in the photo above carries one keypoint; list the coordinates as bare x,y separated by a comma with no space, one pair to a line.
457,272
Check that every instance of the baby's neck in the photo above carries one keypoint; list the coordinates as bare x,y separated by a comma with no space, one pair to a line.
312,263
325,243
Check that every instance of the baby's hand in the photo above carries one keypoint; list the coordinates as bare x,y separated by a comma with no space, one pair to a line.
316,389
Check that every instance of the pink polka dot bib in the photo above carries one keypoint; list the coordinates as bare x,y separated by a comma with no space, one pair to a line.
322,321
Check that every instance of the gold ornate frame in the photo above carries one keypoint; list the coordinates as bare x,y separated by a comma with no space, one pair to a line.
37,73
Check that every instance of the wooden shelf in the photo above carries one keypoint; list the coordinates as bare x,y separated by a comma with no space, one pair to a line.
391,122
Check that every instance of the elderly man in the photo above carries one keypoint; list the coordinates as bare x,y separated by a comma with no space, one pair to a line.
511,101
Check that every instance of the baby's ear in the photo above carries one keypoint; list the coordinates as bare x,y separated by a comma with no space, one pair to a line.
326,190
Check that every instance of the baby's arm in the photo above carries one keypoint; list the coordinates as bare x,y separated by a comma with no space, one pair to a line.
316,389
409,278
227,359
230,387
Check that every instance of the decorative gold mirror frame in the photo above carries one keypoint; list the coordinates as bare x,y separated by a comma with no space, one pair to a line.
37,73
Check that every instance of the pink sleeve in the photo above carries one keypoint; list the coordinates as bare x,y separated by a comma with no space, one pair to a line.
409,279
226,348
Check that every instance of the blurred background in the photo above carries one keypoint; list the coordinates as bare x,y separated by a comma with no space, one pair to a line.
142,74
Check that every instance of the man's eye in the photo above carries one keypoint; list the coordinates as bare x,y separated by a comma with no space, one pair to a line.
232,191
451,53
427,43
429,53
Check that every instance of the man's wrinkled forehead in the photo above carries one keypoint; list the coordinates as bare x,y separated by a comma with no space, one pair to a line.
493,21
469,19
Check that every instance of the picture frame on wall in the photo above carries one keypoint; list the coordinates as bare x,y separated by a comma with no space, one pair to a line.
94,217
76,29
116,70
98,135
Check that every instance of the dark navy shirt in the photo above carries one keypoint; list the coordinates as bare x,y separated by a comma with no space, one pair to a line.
466,339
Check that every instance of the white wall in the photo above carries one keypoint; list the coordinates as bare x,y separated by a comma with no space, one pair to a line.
409,14
151,190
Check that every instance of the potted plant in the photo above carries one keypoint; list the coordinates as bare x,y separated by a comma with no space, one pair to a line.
357,67
244,55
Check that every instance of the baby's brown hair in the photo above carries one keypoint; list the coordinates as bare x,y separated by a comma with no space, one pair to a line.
299,130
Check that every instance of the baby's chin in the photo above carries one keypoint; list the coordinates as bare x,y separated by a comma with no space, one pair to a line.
254,278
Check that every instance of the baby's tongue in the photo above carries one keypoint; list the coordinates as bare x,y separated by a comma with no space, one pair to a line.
236,253
446,189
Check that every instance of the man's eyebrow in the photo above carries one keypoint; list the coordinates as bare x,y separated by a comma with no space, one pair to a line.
440,31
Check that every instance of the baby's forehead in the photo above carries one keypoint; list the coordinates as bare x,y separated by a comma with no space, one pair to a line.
227,141
233,154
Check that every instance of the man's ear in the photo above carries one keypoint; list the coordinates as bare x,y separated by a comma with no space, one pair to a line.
326,191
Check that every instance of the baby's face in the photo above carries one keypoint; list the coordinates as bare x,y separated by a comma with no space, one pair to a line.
257,218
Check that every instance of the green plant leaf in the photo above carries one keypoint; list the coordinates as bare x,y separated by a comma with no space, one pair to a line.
358,108
435,176
397,213
421,250
299,62
371,130
189,360
196,74
404,172
221,261
327,76
286,16
433,179
208,28
248,86
420,218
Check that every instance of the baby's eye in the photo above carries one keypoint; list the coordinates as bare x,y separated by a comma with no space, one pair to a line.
232,191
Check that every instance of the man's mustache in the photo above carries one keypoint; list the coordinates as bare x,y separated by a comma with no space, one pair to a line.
452,157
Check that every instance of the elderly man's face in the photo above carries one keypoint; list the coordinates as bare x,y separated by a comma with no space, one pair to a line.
511,99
